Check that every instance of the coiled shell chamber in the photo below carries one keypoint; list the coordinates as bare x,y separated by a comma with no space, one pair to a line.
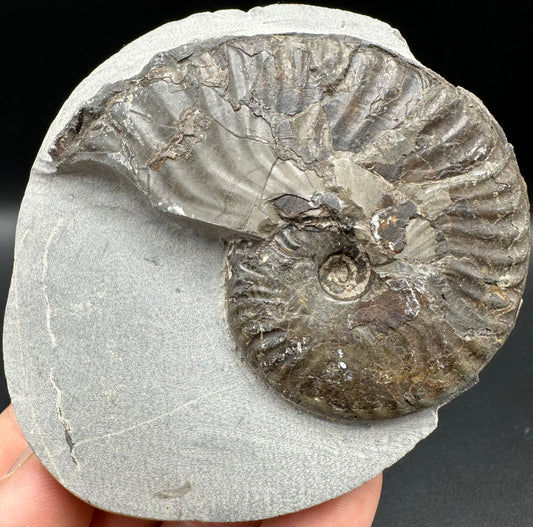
376,222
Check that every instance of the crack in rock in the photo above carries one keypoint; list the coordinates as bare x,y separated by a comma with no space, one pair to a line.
63,419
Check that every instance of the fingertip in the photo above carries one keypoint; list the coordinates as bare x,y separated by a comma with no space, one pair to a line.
193,523
23,457
356,508
108,519
12,441
32,497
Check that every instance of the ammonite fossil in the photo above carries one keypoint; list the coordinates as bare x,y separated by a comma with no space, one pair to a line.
240,211
375,219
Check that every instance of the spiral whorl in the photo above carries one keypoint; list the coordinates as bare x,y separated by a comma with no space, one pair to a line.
376,220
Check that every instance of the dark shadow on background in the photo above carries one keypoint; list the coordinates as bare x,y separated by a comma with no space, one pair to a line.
8,220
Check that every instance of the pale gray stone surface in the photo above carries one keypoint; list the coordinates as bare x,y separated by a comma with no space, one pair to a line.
120,365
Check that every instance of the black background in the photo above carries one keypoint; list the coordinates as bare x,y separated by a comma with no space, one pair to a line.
477,468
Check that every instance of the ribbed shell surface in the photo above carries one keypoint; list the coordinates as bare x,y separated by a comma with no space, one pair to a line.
376,221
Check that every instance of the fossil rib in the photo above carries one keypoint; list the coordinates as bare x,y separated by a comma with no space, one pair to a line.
376,220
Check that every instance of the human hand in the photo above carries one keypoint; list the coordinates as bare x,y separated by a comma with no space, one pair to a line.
30,496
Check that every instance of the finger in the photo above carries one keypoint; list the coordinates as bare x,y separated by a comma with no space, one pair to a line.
12,442
212,524
353,509
30,496
107,519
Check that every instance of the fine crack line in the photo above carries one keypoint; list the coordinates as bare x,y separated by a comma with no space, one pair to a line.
153,419
45,284
245,137
260,197
63,420
22,360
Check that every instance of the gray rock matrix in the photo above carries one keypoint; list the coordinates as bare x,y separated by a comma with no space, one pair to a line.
120,364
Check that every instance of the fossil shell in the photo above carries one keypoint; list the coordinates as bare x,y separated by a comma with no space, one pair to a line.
375,218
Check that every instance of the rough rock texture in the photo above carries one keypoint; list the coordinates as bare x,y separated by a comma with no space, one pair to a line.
120,358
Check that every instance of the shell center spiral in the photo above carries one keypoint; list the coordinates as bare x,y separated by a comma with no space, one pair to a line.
344,276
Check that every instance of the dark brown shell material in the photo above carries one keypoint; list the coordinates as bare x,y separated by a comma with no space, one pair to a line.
376,221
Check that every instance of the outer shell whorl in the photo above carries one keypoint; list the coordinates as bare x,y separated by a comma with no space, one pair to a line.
377,223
